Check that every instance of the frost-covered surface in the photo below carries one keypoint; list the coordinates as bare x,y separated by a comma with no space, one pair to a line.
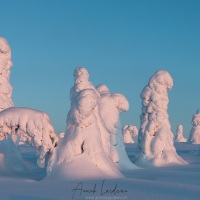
29,126
170,183
195,131
82,152
5,65
111,105
129,131
179,134
155,139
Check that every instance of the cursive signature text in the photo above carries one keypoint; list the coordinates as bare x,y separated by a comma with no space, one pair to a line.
102,190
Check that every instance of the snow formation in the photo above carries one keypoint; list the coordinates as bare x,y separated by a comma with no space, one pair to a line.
129,131
195,131
5,65
110,107
179,134
155,139
30,126
8,151
83,152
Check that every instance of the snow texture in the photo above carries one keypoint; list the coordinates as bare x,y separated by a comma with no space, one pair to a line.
29,126
195,131
155,139
110,107
167,183
5,65
129,131
10,157
179,134
85,139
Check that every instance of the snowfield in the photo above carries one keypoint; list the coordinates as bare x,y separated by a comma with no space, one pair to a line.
89,160
171,182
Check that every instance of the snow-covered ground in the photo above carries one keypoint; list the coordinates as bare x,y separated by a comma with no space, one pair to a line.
172,182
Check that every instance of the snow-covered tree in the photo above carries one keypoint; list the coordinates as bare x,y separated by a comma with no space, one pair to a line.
7,146
129,131
195,131
32,127
155,139
5,65
111,105
179,134
82,152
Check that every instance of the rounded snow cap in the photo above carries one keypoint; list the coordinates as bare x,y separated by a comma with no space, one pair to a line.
4,47
102,89
162,77
81,74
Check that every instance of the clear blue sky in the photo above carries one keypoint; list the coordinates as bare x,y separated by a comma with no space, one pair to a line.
121,43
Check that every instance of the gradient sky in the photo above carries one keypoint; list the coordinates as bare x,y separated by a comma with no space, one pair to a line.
121,43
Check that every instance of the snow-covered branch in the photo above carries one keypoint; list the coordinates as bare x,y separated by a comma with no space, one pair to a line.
30,126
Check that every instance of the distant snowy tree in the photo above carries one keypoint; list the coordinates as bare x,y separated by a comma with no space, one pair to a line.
129,131
155,140
195,131
179,134
32,127
85,135
110,107
5,65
